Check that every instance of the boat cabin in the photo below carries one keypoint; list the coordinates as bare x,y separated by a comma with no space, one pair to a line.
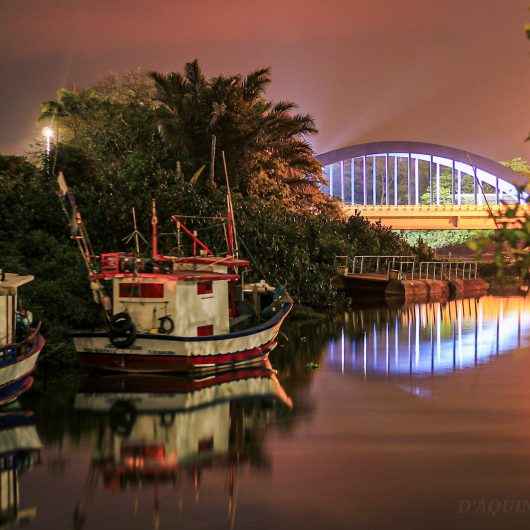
186,297
9,284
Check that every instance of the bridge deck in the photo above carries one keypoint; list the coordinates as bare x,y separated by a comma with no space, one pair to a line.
444,217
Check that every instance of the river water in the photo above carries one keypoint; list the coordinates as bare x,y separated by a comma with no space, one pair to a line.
385,417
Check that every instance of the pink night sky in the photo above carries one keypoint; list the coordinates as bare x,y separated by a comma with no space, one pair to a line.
455,72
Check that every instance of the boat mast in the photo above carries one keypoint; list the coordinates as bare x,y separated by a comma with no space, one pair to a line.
77,226
154,232
80,234
231,237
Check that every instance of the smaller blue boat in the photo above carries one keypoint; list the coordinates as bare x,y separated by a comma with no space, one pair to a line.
20,340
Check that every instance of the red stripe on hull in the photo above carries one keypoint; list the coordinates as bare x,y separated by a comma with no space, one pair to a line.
168,384
170,363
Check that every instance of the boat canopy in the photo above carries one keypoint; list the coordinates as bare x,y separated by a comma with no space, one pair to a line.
10,282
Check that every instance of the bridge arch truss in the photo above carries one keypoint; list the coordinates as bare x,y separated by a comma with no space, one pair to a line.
417,173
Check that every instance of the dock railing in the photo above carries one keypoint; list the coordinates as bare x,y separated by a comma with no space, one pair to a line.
447,270
376,264
407,268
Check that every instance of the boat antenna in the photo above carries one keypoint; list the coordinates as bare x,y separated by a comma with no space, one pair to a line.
231,233
154,231
136,234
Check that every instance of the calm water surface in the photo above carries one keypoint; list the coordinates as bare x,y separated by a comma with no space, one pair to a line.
402,418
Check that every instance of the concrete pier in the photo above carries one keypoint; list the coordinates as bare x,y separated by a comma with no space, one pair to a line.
411,290
402,278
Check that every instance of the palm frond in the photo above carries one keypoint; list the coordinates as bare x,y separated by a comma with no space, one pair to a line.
255,83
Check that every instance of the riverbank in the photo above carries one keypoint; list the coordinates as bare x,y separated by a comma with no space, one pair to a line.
505,281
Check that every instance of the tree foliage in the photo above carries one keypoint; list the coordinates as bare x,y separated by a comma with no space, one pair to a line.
511,241
265,143
132,139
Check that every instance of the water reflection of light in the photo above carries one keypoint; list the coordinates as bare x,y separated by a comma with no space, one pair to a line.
430,338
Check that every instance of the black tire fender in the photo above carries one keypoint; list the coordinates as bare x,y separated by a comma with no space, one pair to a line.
122,417
122,332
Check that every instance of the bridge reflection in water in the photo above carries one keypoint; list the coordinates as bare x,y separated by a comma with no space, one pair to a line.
431,338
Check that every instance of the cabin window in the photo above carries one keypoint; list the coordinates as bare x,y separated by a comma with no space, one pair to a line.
204,288
141,290
204,331
205,445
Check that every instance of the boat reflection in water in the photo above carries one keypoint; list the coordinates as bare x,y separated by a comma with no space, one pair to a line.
19,450
165,430
432,338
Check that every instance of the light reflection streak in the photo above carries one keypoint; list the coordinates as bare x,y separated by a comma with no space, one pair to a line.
432,338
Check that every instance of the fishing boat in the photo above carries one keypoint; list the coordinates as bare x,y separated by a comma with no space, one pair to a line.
175,313
20,340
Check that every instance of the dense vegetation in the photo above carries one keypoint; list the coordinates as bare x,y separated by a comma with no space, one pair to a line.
438,239
135,138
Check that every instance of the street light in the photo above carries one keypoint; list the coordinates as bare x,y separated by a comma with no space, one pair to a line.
48,133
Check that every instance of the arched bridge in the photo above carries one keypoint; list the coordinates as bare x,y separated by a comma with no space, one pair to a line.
421,186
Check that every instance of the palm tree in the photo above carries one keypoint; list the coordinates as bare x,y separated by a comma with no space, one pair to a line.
265,144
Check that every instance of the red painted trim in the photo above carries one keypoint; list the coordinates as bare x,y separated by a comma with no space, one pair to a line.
204,287
205,331
210,260
141,290
167,384
175,277
169,363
